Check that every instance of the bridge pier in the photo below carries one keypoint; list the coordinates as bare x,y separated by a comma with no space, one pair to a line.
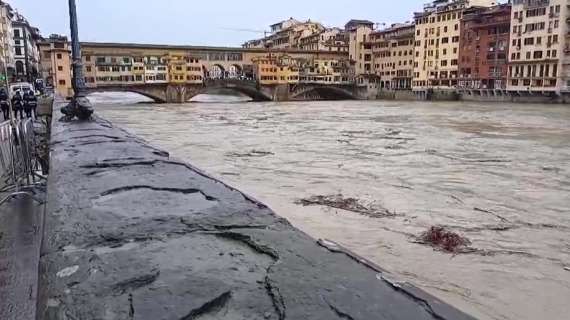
176,93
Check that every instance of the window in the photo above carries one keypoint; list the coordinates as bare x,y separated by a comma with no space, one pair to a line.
59,68
62,82
59,56
18,51
88,68
537,55
16,33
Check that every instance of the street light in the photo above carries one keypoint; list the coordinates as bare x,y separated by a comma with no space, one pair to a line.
79,106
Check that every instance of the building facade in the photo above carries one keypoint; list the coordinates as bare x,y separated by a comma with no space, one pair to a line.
107,64
539,51
55,64
327,72
484,47
360,46
331,39
287,35
7,58
26,53
275,70
437,35
393,56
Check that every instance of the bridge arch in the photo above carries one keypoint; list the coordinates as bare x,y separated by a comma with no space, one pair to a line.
322,92
234,71
216,71
156,95
248,88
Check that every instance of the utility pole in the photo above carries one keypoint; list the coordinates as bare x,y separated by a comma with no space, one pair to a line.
80,106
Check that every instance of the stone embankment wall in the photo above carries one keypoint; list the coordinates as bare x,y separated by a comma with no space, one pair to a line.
131,233
472,95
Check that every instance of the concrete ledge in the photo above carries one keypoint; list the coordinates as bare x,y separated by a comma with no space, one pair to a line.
133,234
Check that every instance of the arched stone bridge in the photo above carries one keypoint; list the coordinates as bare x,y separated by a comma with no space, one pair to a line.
180,93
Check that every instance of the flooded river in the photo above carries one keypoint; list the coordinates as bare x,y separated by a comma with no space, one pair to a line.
497,174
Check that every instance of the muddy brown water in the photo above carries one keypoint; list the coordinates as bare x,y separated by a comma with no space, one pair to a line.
498,174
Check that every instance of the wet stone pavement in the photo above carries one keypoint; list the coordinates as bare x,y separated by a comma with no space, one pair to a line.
131,233
20,238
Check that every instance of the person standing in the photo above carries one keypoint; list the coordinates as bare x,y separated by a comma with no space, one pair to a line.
18,105
4,104
34,104
28,101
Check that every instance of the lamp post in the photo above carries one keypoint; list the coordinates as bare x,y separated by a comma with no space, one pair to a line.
80,106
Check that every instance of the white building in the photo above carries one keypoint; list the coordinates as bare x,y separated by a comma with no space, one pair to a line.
156,70
26,53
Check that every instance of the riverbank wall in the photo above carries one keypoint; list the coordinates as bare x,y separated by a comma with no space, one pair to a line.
131,233
473,95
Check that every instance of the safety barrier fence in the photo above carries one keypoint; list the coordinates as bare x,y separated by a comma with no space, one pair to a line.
19,165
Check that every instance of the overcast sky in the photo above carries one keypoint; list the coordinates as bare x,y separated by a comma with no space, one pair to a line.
195,22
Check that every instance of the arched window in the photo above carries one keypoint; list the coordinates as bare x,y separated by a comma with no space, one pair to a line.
19,67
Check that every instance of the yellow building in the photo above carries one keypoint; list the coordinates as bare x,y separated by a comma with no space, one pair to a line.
359,45
194,71
176,68
56,65
89,71
437,34
184,69
393,51
276,70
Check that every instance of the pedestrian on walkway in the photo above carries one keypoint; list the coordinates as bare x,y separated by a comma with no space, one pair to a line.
34,104
4,104
30,102
18,105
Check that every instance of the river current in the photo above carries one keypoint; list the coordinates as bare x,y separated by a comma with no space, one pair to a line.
497,174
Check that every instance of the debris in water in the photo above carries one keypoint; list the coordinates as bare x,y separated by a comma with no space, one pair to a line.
492,213
439,237
250,154
338,201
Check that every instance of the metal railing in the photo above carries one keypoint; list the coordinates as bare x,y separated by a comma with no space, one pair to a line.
19,164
